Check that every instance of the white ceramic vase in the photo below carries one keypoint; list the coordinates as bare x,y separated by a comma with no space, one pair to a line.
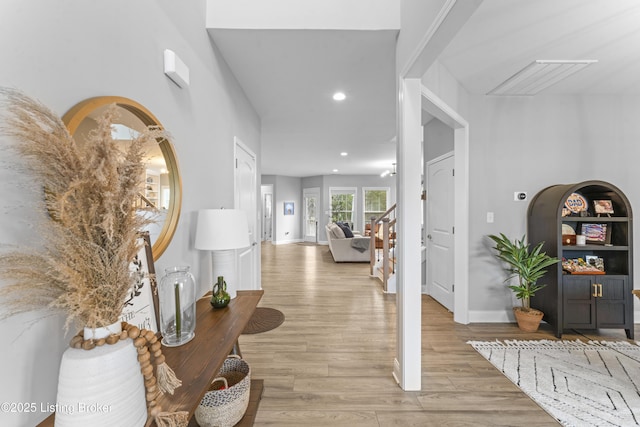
102,387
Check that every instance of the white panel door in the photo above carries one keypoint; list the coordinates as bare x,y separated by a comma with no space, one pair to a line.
246,199
311,206
267,216
440,221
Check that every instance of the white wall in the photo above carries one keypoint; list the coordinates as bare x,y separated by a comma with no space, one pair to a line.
438,139
64,52
287,189
439,81
289,228
527,144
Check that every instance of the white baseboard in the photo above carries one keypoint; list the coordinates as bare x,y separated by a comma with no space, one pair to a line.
286,242
391,285
491,316
498,316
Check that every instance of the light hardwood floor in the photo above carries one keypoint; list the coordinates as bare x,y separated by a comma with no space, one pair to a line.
330,362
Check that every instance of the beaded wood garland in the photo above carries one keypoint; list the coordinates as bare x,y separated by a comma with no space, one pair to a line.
149,348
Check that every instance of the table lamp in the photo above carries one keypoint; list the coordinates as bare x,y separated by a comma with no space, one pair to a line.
221,231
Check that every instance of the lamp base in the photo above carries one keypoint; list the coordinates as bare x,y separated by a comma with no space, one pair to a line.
225,264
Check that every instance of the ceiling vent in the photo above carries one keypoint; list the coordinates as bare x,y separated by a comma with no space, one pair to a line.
539,75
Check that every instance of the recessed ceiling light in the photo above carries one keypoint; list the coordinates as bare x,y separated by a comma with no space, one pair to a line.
339,96
335,170
344,154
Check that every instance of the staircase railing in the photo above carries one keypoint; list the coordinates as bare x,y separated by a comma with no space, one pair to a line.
143,202
381,244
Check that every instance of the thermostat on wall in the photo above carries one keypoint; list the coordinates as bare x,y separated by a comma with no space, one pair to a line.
520,196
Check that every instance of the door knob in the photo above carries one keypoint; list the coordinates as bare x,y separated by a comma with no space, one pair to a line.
429,236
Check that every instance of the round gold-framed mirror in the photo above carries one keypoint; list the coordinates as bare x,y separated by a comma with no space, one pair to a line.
163,187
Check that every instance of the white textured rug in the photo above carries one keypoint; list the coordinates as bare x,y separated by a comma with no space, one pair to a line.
579,384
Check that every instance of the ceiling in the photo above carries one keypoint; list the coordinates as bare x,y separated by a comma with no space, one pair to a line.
503,36
290,75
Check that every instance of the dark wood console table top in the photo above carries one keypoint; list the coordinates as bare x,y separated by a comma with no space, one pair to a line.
198,362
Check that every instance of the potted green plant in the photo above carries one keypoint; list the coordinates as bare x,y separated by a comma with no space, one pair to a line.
528,265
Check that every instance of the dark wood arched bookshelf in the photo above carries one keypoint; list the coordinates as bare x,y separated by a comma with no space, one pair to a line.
585,301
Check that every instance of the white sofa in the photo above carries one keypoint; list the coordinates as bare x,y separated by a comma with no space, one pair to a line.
342,248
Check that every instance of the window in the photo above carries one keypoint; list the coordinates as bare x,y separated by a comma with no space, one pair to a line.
375,202
343,204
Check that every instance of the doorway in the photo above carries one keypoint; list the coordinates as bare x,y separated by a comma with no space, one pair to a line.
267,212
440,229
246,200
311,207
440,110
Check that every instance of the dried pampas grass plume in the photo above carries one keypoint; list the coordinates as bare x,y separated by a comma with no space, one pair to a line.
90,236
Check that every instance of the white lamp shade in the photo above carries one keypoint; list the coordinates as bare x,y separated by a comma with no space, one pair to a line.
222,229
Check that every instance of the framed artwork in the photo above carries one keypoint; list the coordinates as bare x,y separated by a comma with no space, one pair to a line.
603,207
596,234
288,208
141,305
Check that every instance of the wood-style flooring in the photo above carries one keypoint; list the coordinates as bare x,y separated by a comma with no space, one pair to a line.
330,362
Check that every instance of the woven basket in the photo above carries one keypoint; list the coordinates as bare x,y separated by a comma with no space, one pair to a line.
228,397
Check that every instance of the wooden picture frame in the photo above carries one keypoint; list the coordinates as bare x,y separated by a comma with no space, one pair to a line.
141,307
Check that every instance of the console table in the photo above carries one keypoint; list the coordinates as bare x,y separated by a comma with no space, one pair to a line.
198,362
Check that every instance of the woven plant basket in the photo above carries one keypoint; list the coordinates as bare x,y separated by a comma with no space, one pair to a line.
228,397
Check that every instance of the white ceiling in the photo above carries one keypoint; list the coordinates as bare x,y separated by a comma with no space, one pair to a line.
503,36
290,75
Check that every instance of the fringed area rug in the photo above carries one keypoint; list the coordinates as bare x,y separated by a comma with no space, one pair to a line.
580,384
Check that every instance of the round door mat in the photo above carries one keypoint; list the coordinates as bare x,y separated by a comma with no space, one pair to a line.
264,319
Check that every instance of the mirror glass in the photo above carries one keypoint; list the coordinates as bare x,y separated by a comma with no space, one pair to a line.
161,193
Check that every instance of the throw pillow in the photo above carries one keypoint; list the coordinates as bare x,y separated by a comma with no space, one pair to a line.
336,231
345,229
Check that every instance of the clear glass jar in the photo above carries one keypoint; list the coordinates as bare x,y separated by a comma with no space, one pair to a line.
177,298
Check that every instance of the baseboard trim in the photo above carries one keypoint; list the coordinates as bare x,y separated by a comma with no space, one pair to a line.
286,242
491,316
498,316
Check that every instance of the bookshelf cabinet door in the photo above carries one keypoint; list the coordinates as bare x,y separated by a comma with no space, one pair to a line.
579,302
